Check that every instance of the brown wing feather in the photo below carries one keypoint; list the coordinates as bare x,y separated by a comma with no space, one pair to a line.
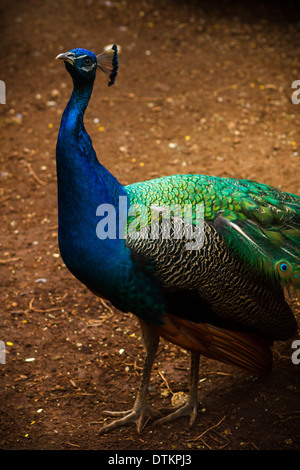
244,350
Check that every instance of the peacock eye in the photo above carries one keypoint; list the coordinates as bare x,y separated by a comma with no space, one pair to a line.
87,61
283,267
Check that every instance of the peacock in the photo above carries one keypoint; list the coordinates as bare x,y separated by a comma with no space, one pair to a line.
212,281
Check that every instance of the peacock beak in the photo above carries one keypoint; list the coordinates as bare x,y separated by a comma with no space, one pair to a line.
67,57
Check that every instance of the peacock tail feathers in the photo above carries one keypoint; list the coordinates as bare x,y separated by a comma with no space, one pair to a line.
259,223
243,350
265,232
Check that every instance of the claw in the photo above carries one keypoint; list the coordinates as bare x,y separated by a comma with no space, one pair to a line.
190,408
140,416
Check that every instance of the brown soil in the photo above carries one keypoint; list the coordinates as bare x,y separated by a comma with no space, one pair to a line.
214,81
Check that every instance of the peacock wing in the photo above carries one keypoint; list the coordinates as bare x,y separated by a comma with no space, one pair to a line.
259,223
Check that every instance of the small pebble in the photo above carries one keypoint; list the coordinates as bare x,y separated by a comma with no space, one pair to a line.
179,398
55,93
51,103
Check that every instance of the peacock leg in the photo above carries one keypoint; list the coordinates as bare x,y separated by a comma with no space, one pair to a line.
190,408
141,412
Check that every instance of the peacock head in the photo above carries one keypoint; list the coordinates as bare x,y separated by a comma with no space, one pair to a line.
82,64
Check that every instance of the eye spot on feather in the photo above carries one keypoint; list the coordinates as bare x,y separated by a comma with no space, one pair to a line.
284,269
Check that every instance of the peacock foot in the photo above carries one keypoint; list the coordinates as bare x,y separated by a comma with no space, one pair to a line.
140,415
190,408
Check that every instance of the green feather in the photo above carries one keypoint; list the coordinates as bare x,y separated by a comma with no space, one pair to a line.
260,223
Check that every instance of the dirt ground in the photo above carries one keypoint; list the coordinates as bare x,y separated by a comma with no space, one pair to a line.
203,87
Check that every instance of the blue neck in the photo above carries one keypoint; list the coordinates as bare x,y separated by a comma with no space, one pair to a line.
74,146
83,184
